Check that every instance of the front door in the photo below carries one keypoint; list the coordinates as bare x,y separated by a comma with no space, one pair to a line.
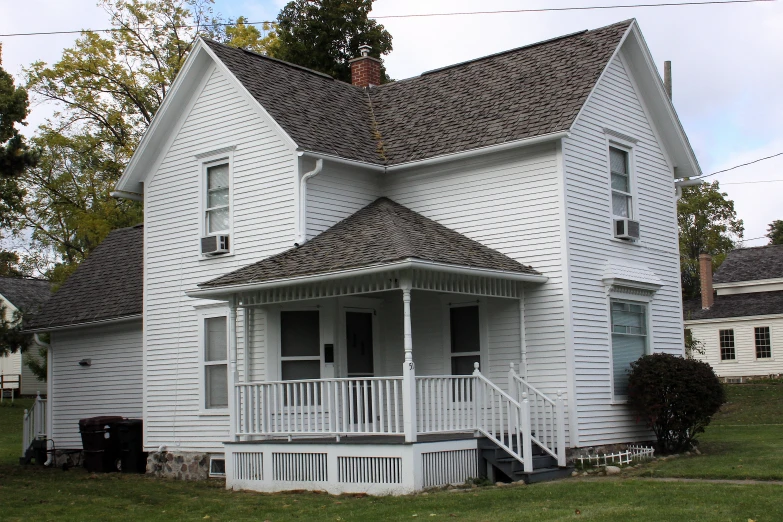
359,347
359,353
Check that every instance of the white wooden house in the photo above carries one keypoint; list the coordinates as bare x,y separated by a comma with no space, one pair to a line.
740,322
382,288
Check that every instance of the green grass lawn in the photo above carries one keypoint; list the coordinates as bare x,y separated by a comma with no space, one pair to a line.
33,493
11,430
744,441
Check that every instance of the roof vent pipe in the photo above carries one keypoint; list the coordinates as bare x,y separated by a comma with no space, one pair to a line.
301,235
667,78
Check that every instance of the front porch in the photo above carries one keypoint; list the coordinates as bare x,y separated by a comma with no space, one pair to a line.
380,357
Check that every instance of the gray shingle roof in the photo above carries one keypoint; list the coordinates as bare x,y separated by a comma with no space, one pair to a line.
530,91
748,264
742,305
25,294
107,285
382,232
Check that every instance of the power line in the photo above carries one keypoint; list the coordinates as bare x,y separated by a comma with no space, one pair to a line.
742,165
761,181
422,15
754,238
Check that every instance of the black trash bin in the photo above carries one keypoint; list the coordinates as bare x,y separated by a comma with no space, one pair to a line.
100,443
130,434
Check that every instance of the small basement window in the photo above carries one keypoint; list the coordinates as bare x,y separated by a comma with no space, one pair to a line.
217,466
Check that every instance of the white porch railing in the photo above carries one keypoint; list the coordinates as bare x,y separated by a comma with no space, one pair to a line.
445,403
367,406
34,423
546,419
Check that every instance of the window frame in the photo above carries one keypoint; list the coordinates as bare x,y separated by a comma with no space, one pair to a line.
202,316
647,304
205,161
626,144
733,345
769,345
448,304
279,334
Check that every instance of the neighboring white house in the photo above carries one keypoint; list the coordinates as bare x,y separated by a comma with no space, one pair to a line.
326,264
26,296
741,328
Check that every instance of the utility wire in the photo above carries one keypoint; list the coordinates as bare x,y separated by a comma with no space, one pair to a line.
742,165
761,181
423,15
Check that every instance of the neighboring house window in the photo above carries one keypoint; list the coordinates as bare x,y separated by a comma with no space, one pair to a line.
763,342
300,345
622,200
216,362
727,345
217,201
629,340
465,339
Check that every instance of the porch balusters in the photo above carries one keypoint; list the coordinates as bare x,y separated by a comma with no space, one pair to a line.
408,367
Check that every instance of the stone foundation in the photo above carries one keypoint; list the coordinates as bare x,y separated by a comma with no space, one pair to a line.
181,466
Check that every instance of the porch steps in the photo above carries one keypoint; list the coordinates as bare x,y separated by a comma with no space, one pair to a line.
545,467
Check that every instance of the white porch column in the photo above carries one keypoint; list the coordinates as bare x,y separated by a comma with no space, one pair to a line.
408,367
233,376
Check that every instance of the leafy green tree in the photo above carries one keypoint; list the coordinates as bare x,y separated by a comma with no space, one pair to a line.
15,155
9,265
249,37
37,364
324,34
707,224
12,338
775,232
107,88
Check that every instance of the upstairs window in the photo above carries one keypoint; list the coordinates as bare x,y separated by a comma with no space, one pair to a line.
763,342
217,215
622,200
726,338
629,341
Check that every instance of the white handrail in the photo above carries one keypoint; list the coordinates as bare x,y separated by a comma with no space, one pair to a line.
547,416
33,423
364,405
502,419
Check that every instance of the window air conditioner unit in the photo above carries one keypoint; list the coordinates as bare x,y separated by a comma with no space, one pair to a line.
626,229
211,245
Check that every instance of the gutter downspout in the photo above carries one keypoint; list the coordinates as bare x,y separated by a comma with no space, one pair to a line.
301,235
49,387
685,183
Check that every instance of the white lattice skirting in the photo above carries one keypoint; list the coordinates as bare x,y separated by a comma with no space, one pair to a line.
375,469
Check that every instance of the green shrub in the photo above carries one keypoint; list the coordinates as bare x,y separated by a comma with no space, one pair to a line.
675,397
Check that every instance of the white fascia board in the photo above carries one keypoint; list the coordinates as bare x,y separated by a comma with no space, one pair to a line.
223,292
443,158
667,120
754,282
113,320
690,322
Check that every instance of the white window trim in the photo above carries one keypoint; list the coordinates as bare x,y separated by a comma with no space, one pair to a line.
276,334
202,315
461,301
771,357
205,160
625,143
646,301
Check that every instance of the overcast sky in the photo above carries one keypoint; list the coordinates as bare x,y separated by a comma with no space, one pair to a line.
727,65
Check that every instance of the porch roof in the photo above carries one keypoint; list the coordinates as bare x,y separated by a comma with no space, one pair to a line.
382,233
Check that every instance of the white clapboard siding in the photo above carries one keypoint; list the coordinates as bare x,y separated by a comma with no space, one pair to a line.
31,384
263,224
615,105
746,364
111,385
336,193
510,202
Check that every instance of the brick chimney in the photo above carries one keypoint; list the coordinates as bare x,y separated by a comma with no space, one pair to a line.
365,70
705,274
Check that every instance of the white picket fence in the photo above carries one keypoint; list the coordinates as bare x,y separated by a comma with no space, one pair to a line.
34,423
